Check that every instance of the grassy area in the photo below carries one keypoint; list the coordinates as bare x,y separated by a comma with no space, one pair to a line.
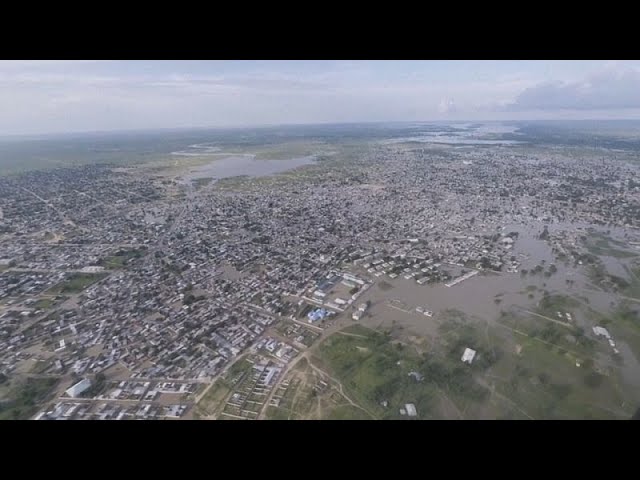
552,336
276,413
558,372
348,412
623,323
44,303
527,370
75,283
599,244
551,304
288,150
375,372
25,397
547,384
239,367
633,288
213,400
121,258
39,366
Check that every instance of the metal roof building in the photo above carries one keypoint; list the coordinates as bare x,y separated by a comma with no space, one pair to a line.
78,388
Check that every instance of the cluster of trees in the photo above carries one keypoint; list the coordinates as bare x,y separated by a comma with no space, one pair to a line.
545,233
191,298
24,400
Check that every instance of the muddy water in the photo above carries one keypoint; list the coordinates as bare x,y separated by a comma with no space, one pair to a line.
476,296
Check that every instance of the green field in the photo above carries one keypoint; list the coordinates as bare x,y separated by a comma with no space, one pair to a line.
121,258
23,398
309,393
546,384
75,283
623,323
374,370
347,412
44,303
525,368
600,244
212,402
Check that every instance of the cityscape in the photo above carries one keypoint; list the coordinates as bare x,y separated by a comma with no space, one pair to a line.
399,271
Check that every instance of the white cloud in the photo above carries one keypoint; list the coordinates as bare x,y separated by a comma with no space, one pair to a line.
609,89
47,96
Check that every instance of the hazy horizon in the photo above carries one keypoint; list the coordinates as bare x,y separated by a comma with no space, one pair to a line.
205,128
45,97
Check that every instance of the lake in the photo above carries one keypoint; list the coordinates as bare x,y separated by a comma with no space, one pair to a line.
244,165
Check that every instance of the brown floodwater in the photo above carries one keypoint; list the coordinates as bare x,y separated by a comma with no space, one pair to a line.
477,295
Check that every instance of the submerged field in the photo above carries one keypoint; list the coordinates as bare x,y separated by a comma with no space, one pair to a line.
518,373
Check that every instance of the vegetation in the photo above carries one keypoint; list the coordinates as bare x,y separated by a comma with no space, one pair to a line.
98,386
348,412
375,371
213,400
551,304
600,245
121,258
44,303
76,282
26,397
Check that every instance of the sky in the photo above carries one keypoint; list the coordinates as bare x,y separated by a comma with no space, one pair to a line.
64,96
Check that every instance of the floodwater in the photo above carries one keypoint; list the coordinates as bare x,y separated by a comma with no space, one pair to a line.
469,136
198,150
477,295
244,165
448,139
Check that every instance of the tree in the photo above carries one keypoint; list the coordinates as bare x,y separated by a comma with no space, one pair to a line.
545,233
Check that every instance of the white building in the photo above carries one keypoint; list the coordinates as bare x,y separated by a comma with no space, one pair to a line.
601,331
410,408
77,389
468,355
